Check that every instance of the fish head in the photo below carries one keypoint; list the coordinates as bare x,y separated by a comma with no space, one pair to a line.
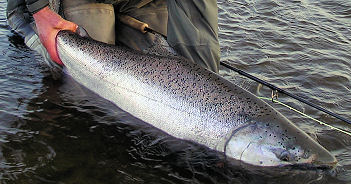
275,141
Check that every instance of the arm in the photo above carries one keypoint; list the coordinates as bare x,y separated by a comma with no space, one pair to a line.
18,17
48,23
36,5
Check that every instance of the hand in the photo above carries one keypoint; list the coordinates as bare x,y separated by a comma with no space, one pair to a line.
48,25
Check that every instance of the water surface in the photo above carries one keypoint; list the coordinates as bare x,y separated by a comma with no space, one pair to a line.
59,132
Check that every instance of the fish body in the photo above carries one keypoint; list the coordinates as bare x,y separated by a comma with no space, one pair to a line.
189,102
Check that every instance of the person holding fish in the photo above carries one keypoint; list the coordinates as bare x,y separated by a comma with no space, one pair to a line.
191,27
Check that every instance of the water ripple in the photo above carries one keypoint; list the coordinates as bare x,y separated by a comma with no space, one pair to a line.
59,132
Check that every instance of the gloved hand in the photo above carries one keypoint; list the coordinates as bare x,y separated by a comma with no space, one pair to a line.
48,24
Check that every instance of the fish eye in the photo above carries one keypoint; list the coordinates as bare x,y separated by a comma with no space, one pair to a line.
306,154
284,156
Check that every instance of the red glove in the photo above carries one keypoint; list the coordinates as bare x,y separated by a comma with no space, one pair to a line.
48,25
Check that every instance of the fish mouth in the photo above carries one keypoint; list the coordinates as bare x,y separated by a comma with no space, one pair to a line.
316,162
301,152
311,166
325,161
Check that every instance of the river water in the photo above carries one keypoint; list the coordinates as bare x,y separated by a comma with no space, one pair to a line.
59,132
